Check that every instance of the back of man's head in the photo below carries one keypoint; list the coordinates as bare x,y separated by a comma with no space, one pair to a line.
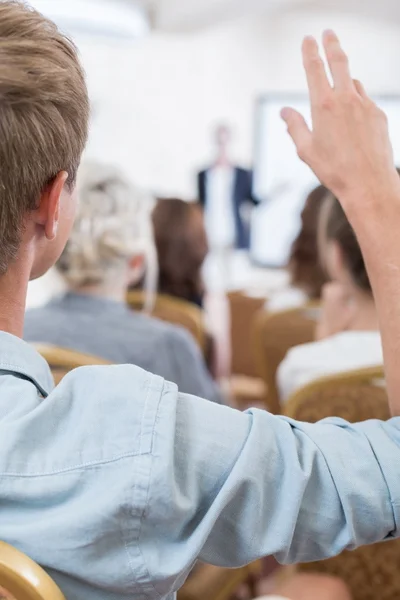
44,113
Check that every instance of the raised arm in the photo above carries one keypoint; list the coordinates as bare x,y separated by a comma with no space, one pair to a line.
350,152
229,487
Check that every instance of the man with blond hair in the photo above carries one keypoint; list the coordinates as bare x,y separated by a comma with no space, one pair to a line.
114,481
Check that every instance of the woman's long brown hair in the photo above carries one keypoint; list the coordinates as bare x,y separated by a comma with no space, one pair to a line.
181,243
304,266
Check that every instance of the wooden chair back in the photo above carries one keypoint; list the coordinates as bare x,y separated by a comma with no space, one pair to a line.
175,311
355,396
63,360
273,335
373,571
243,310
22,579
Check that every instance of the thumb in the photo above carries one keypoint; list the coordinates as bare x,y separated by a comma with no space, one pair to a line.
298,130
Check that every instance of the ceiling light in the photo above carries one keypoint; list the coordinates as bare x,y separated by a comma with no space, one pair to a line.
93,17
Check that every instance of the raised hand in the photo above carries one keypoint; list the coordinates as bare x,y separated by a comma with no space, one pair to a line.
350,152
348,148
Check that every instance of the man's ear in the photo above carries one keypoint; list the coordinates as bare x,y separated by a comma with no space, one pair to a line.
48,212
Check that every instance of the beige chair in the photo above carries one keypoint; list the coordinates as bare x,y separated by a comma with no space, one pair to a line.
175,311
216,583
63,360
372,572
273,335
243,309
22,579
246,386
357,395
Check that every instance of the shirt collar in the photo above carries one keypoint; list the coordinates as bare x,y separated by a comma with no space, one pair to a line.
16,356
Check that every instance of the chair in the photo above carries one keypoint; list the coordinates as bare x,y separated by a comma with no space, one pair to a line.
23,579
243,309
246,387
208,582
273,334
63,360
357,395
175,311
371,572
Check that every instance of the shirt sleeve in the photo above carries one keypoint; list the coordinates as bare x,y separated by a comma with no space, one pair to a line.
189,369
229,487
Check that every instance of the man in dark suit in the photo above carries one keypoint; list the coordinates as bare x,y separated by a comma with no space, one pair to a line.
225,192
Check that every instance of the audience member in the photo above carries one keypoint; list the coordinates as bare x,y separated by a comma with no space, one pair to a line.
181,243
306,274
310,587
114,481
347,335
225,192
110,241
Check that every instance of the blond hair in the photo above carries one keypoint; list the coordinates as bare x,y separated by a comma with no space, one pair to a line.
113,224
44,111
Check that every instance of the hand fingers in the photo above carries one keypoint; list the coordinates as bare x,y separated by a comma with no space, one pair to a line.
360,89
317,79
338,62
298,130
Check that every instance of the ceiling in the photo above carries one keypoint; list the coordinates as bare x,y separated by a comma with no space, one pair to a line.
132,19
184,15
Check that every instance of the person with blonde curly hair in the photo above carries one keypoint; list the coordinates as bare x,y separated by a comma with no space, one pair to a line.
110,246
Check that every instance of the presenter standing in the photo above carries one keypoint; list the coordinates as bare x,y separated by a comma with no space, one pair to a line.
225,192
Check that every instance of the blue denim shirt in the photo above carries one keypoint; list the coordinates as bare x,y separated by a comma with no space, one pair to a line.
117,484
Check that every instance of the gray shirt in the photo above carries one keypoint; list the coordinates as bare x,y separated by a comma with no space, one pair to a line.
110,330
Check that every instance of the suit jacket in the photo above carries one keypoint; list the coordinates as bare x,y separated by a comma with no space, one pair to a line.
241,196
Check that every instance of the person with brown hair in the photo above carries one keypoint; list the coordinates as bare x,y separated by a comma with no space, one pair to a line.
348,303
114,481
304,265
306,274
347,335
37,91
182,247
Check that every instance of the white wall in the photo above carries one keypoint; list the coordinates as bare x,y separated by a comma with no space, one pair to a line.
156,101
373,47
